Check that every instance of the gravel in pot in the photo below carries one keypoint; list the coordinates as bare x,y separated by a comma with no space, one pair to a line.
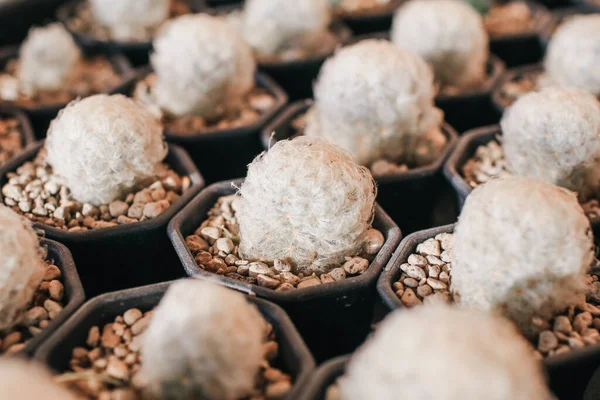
366,16
98,351
326,280
112,222
15,133
16,17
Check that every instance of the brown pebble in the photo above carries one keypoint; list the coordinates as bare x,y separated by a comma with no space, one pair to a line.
410,299
284,287
56,290
93,336
15,348
424,290
131,316
356,265
11,339
153,210
80,353
35,315
582,321
117,369
267,281
271,348
141,325
109,338
309,282
52,272
53,308
547,341
278,390
273,374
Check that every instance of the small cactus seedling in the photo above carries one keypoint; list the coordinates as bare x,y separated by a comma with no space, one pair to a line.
375,100
522,247
204,342
449,34
480,356
21,267
554,135
573,54
103,147
305,201
203,66
46,59
20,379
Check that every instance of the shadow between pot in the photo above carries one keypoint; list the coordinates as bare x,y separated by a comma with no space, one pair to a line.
17,17
369,21
25,129
128,255
332,318
498,101
294,358
323,377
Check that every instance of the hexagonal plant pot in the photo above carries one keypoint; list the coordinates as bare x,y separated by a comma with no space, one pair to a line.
126,255
294,358
332,318
368,21
323,377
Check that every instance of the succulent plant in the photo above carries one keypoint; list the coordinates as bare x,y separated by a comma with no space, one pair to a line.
20,379
21,267
203,66
448,34
103,147
375,100
46,59
554,135
307,202
480,356
573,54
130,19
204,342
522,247
270,26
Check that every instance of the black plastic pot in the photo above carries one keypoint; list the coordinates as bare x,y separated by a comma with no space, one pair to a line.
41,116
123,256
334,318
371,21
25,129
294,358
17,17
508,76
414,199
225,153
592,391
323,377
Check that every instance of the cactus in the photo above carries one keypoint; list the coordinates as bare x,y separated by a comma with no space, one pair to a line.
573,54
20,379
375,100
521,247
21,269
305,201
104,147
480,356
270,26
203,67
449,34
554,135
130,19
204,342
46,59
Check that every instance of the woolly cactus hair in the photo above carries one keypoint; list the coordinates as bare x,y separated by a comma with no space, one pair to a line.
204,342
449,34
20,379
554,135
271,26
21,267
573,54
130,19
305,201
481,356
375,100
521,247
104,146
46,58
202,65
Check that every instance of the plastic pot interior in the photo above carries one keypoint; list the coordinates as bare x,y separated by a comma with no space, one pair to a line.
25,129
368,21
294,358
17,17
323,377
126,255
342,310
508,76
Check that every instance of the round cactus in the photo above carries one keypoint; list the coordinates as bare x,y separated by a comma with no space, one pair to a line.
130,19
305,201
204,342
203,67
103,147
271,26
46,59
521,247
20,379
375,100
21,267
480,356
449,34
573,54
554,135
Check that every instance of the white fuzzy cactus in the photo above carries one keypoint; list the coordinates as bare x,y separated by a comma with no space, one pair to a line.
305,201
20,379
573,54
479,356
21,267
130,19
375,100
204,342
271,26
522,247
103,147
203,66
46,59
449,34
554,135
